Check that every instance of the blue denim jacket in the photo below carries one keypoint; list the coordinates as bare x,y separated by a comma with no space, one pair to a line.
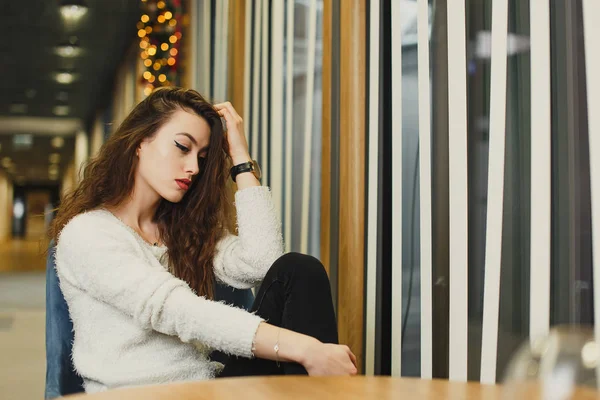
61,378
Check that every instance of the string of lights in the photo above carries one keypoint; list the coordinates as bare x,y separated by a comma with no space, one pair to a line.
159,30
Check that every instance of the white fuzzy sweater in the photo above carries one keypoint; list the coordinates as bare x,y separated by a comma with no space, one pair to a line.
134,322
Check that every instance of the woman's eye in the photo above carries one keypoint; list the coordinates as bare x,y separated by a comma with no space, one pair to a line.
182,147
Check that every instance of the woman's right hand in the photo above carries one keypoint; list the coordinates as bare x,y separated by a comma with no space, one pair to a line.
329,359
316,357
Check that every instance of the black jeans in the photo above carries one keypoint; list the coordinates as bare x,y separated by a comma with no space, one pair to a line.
294,295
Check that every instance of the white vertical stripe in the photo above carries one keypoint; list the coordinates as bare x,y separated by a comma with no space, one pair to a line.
289,114
206,49
217,53
372,204
495,197
218,43
247,67
194,39
457,110
254,134
264,154
540,169
277,22
396,189
221,46
591,15
308,123
425,188
224,50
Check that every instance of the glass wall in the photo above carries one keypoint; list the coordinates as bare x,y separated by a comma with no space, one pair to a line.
571,299
300,92
571,253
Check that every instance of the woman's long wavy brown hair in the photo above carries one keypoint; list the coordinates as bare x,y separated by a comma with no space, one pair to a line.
190,228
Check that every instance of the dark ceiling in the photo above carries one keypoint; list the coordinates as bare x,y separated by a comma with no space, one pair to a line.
30,30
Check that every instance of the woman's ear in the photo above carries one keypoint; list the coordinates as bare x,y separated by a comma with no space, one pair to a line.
138,149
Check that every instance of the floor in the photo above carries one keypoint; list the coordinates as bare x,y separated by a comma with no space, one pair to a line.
22,319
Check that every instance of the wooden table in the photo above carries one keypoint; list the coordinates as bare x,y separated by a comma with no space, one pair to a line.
357,387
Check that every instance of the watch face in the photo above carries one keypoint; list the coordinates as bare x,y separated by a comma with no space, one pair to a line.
257,172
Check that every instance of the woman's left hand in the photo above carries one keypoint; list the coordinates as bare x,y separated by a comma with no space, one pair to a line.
238,146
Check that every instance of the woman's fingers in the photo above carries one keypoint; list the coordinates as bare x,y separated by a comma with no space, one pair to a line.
225,112
352,357
228,106
229,119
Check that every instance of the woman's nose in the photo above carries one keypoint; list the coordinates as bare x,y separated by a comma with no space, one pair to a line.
192,167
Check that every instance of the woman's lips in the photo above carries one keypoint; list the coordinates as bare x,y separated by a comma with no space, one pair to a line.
184,184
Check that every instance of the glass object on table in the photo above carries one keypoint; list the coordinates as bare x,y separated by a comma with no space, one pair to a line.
561,365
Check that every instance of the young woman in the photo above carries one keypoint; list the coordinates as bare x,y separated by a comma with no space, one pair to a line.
143,238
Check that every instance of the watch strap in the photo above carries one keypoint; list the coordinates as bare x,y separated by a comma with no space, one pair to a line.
241,168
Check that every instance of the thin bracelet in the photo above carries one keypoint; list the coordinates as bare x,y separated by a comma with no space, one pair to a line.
276,348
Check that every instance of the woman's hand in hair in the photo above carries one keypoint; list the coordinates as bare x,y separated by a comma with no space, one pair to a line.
238,146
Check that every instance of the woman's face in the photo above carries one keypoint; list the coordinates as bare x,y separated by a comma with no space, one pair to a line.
168,161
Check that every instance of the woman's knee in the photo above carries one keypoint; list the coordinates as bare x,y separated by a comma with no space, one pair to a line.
301,265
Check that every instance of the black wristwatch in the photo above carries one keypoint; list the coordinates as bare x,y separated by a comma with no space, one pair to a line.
250,166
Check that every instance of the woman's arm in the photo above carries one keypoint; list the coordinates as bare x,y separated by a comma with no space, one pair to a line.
103,260
316,357
242,261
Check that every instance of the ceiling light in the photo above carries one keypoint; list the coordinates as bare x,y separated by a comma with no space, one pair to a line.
54,158
53,170
73,10
64,77
58,142
18,108
30,93
61,111
22,141
68,50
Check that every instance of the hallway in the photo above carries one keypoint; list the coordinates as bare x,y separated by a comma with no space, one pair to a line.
22,319
23,255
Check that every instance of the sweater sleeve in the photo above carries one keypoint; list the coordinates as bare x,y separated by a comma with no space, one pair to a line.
242,261
103,261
